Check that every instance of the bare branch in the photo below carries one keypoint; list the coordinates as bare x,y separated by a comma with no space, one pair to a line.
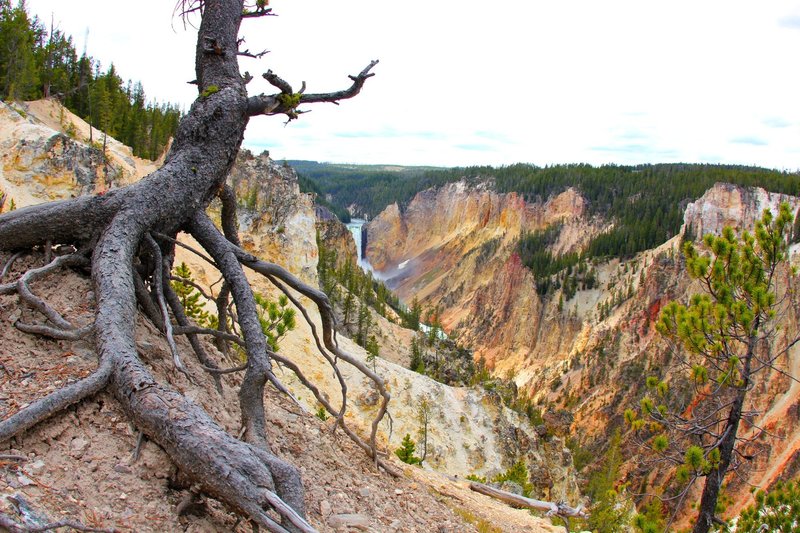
278,82
287,101
256,55
553,509
258,11
262,105
354,89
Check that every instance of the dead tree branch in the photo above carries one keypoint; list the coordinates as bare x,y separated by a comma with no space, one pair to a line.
553,509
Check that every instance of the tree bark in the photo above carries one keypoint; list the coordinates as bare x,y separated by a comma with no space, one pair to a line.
115,228
706,517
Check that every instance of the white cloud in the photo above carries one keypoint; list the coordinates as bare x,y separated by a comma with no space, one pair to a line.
467,82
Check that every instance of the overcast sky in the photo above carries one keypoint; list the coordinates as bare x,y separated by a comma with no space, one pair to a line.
464,83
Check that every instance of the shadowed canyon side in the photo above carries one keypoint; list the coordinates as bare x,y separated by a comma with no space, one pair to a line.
584,355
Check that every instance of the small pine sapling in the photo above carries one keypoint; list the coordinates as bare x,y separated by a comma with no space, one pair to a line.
406,451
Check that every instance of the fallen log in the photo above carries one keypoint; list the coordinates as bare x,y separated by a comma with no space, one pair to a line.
553,509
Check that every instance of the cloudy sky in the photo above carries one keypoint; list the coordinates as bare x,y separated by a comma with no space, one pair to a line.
463,83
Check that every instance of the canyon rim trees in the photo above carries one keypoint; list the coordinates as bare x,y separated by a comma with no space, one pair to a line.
126,239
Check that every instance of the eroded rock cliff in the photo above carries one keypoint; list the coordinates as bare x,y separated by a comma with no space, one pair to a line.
585,354
46,155
455,248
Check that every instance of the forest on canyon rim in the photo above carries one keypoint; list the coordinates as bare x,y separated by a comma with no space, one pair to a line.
588,287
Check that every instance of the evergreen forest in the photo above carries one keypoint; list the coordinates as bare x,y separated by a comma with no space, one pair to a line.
645,202
37,61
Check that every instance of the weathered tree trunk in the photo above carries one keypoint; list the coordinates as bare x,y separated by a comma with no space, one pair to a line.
706,517
115,229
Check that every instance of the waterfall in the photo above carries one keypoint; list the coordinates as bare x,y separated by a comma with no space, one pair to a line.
355,227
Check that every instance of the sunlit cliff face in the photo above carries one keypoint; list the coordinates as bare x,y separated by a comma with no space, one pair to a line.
587,354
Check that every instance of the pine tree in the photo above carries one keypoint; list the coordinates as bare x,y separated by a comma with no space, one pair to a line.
517,473
277,318
373,350
189,296
18,37
424,418
364,324
406,451
608,513
776,510
347,309
726,333
417,363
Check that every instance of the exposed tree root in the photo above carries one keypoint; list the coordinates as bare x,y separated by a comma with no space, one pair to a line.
328,330
158,287
15,527
119,231
54,333
9,264
180,317
342,383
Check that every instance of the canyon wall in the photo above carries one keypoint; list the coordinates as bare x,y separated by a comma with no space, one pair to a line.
587,355
455,248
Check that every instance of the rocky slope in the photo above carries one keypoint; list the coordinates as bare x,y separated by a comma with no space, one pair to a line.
276,221
584,355
81,465
469,432
46,155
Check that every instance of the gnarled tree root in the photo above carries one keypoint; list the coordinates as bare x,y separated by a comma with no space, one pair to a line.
56,402
245,476
119,227
236,473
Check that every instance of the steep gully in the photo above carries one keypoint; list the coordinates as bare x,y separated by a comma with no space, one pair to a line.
357,230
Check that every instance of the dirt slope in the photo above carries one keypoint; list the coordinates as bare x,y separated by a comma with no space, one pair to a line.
80,464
